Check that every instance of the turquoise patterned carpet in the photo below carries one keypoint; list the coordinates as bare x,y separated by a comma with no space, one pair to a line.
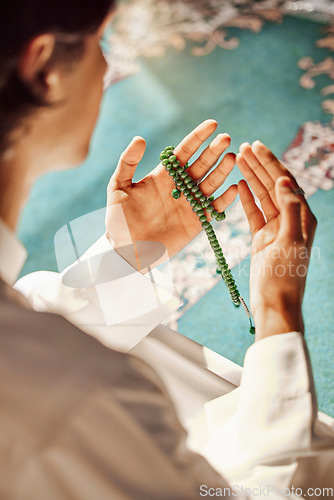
254,91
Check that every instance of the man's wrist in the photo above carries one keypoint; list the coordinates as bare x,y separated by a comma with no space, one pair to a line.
283,317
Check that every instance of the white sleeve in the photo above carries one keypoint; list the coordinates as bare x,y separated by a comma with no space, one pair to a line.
104,295
267,422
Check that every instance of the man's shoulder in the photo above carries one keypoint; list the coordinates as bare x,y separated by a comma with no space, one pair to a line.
47,365
27,335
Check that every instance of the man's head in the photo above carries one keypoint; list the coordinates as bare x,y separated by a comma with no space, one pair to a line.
51,75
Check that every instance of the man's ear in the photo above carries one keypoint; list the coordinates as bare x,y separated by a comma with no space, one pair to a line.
35,70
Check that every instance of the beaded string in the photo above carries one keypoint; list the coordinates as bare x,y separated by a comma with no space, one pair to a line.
201,203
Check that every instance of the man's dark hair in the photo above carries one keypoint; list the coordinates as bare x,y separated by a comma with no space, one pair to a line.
22,20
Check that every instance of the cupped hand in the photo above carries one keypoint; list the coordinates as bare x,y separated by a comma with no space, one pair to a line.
283,233
146,211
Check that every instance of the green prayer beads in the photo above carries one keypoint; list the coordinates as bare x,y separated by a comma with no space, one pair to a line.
201,204
176,194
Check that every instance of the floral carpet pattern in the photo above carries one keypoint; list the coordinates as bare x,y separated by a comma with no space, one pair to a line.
146,28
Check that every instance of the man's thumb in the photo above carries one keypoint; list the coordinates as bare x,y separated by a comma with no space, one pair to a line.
290,208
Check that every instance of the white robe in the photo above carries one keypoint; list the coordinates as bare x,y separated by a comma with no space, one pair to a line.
265,436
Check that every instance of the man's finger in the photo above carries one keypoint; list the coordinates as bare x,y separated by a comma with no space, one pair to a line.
190,144
209,157
259,189
270,163
128,163
217,177
224,200
258,170
290,208
254,215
